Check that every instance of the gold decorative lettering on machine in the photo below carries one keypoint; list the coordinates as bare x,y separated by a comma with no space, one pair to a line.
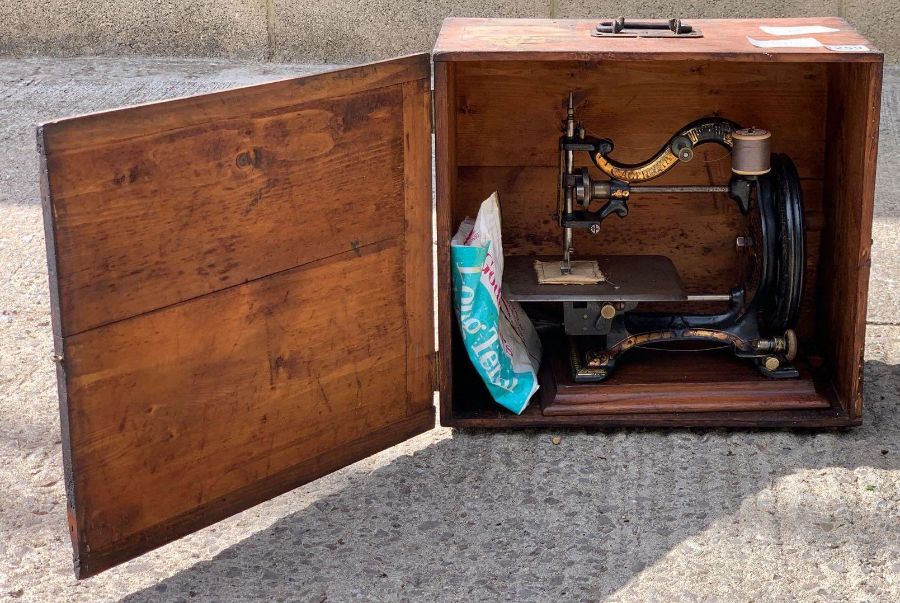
602,320
679,149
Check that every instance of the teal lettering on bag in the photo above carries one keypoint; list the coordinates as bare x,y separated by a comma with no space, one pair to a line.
478,314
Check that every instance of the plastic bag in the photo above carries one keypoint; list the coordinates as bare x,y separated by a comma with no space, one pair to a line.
499,337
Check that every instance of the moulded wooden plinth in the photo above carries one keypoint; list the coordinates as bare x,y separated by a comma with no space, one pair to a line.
675,381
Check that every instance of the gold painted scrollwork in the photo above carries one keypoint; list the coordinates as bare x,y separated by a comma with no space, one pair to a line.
709,130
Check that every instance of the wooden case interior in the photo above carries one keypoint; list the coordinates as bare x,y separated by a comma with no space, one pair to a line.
498,124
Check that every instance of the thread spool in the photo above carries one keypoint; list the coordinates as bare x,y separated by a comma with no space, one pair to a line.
750,154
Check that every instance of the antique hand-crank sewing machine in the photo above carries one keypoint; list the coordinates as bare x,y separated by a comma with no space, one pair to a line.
600,297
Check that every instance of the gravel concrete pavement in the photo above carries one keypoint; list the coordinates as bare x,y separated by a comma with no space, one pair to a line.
629,515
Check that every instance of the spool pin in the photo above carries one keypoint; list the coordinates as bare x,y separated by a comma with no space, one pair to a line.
750,155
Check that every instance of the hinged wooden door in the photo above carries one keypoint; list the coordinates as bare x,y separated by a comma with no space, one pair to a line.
241,290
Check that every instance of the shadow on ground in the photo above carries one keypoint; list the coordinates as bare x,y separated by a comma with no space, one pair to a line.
467,518
628,515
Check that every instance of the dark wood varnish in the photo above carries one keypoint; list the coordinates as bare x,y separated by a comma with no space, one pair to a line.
445,197
834,417
237,188
240,299
500,88
676,382
854,105
463,39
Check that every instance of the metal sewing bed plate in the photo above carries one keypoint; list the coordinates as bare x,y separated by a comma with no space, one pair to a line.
637,278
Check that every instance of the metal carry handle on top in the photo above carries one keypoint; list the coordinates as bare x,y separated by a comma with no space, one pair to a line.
622,28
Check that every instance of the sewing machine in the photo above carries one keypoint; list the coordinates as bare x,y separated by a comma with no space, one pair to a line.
601,296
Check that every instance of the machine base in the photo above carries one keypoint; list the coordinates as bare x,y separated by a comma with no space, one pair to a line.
657,382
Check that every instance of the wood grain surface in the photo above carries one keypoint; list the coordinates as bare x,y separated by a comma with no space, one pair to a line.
242,296
470,408
853,117
467,39
639,105
646,382
500,87
445,201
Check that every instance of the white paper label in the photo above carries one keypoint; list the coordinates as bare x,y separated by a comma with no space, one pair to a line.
790,43
848,48
797,30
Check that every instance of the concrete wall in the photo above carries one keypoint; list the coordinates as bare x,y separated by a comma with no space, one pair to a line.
344,31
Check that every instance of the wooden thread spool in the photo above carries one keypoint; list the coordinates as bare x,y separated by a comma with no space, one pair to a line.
750,155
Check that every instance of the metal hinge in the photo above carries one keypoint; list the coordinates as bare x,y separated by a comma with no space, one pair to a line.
432,111
436,371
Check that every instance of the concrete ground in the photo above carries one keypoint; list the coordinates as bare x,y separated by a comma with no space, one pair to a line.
621,516
351,30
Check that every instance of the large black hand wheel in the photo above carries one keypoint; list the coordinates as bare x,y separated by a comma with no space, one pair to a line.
781,204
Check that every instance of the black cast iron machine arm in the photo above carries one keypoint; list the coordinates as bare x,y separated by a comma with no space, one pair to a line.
754,326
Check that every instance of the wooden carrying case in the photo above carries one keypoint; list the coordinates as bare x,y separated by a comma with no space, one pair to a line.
242,282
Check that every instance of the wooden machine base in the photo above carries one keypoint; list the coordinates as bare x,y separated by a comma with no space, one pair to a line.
471,406
654,382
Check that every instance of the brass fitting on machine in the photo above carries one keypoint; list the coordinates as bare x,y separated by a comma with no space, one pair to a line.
608,311
784,345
